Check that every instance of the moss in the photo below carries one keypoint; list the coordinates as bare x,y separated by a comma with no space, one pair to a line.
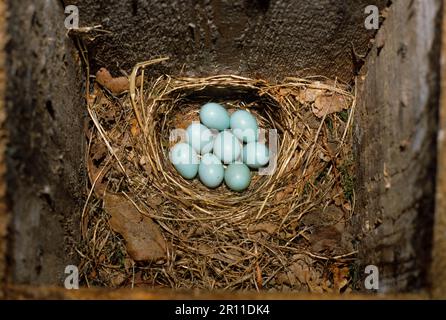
347,178
343,115
329,124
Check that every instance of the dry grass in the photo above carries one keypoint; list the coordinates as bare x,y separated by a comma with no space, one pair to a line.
219,239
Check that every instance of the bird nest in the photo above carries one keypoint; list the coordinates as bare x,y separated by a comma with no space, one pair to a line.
144,225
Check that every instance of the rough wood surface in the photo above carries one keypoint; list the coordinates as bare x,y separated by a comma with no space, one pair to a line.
44,95
53,293
438,274
45,111
396,126
264,38
4,210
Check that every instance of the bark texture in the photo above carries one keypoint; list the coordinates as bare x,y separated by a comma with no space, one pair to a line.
45,114
396,118
395,132
263,38
438,272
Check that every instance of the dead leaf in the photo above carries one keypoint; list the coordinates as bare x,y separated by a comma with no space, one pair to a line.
259,279
329,103
300,270
338,200
134,127
347,206
284,91
287,278
116,85
144,241
333,147
102,258
128,264
205,249
93,274
280,196
333,214
117,279
309,95
324,157
340,277
325,239
263,227
285,193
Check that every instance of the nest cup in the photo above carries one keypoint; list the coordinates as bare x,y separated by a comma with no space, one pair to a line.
177,108
217,237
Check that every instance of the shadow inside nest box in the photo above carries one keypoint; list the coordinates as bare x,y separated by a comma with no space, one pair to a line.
234,98
206,94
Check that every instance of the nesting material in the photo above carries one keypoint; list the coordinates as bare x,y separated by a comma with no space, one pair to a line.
287,231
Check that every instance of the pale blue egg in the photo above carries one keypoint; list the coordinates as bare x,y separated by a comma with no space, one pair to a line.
200,138
237,176
214,116
255,155
244,126
227,147
185,160
210,171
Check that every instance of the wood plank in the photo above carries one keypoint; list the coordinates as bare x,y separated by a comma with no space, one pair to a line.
4,212
438,274
268,39
28,292
395,132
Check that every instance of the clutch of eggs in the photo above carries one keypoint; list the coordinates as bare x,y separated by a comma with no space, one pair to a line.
223,147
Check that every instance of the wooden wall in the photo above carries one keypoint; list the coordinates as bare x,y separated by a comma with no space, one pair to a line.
395,140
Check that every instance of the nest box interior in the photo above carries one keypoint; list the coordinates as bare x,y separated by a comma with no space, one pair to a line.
395,70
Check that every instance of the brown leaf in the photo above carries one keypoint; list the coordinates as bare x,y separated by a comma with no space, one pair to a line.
134,127
144,241
285,193
284,91
116,85
263,227
93,274
333,214
301,271
338,200
325,239
309,95
324,157
286,278
117,279
259,279
340,277
329,103
280,196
